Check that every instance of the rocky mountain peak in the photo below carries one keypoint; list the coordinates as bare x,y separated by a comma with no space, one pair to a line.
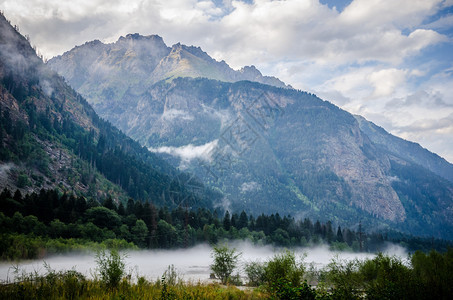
102,72
93,43
250,71
134,39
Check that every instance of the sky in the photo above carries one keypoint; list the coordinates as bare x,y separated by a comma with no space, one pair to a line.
390,61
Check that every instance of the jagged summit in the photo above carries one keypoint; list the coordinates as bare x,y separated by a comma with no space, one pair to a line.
97,70
154,38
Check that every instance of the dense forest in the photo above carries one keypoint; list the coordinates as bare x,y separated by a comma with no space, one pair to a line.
36,218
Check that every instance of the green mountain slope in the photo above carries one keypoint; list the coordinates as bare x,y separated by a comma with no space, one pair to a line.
50,137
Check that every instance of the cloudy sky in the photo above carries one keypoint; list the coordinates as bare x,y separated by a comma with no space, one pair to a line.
388,60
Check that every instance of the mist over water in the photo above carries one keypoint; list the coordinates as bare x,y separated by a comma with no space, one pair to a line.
191,264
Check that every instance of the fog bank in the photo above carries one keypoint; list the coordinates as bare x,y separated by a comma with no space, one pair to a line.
191,264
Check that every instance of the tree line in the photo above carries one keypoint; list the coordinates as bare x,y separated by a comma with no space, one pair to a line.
55,215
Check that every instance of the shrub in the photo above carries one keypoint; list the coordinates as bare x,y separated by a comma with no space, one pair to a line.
283,271
225,261
111,267
345,279
255,273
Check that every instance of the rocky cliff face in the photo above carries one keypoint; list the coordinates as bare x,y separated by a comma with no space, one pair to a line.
266,148
406,149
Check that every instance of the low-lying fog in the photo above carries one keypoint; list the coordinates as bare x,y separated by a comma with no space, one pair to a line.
191,264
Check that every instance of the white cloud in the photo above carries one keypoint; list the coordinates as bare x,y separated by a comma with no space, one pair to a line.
436,132
250,33
250,187
419,112
188,152
171,114
379,13
442,23
386,81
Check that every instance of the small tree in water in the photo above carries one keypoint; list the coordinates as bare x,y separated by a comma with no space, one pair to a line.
225,261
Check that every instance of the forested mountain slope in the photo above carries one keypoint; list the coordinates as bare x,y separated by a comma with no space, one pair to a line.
50,137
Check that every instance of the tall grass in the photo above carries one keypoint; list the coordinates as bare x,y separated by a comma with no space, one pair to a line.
73,285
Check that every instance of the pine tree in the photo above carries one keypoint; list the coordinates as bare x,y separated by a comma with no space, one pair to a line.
227,221
243,220
340,235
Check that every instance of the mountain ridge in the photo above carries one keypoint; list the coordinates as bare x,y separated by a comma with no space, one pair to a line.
145,60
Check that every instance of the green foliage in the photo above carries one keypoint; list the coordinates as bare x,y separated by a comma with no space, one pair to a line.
103,217
64,216
52,285
171,276
111,267
345,279
225,261
20,246
23,181
255,272
387,278
140,233
425,276
284,289
282,272
167,292
434,273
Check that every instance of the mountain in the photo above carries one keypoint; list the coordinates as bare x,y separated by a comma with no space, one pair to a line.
266,148
406,149
50,137
106,72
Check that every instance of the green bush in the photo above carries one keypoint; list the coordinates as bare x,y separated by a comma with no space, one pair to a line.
111,267
255,273
434,273
344,278
287,291
283,271
225,261
386,277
